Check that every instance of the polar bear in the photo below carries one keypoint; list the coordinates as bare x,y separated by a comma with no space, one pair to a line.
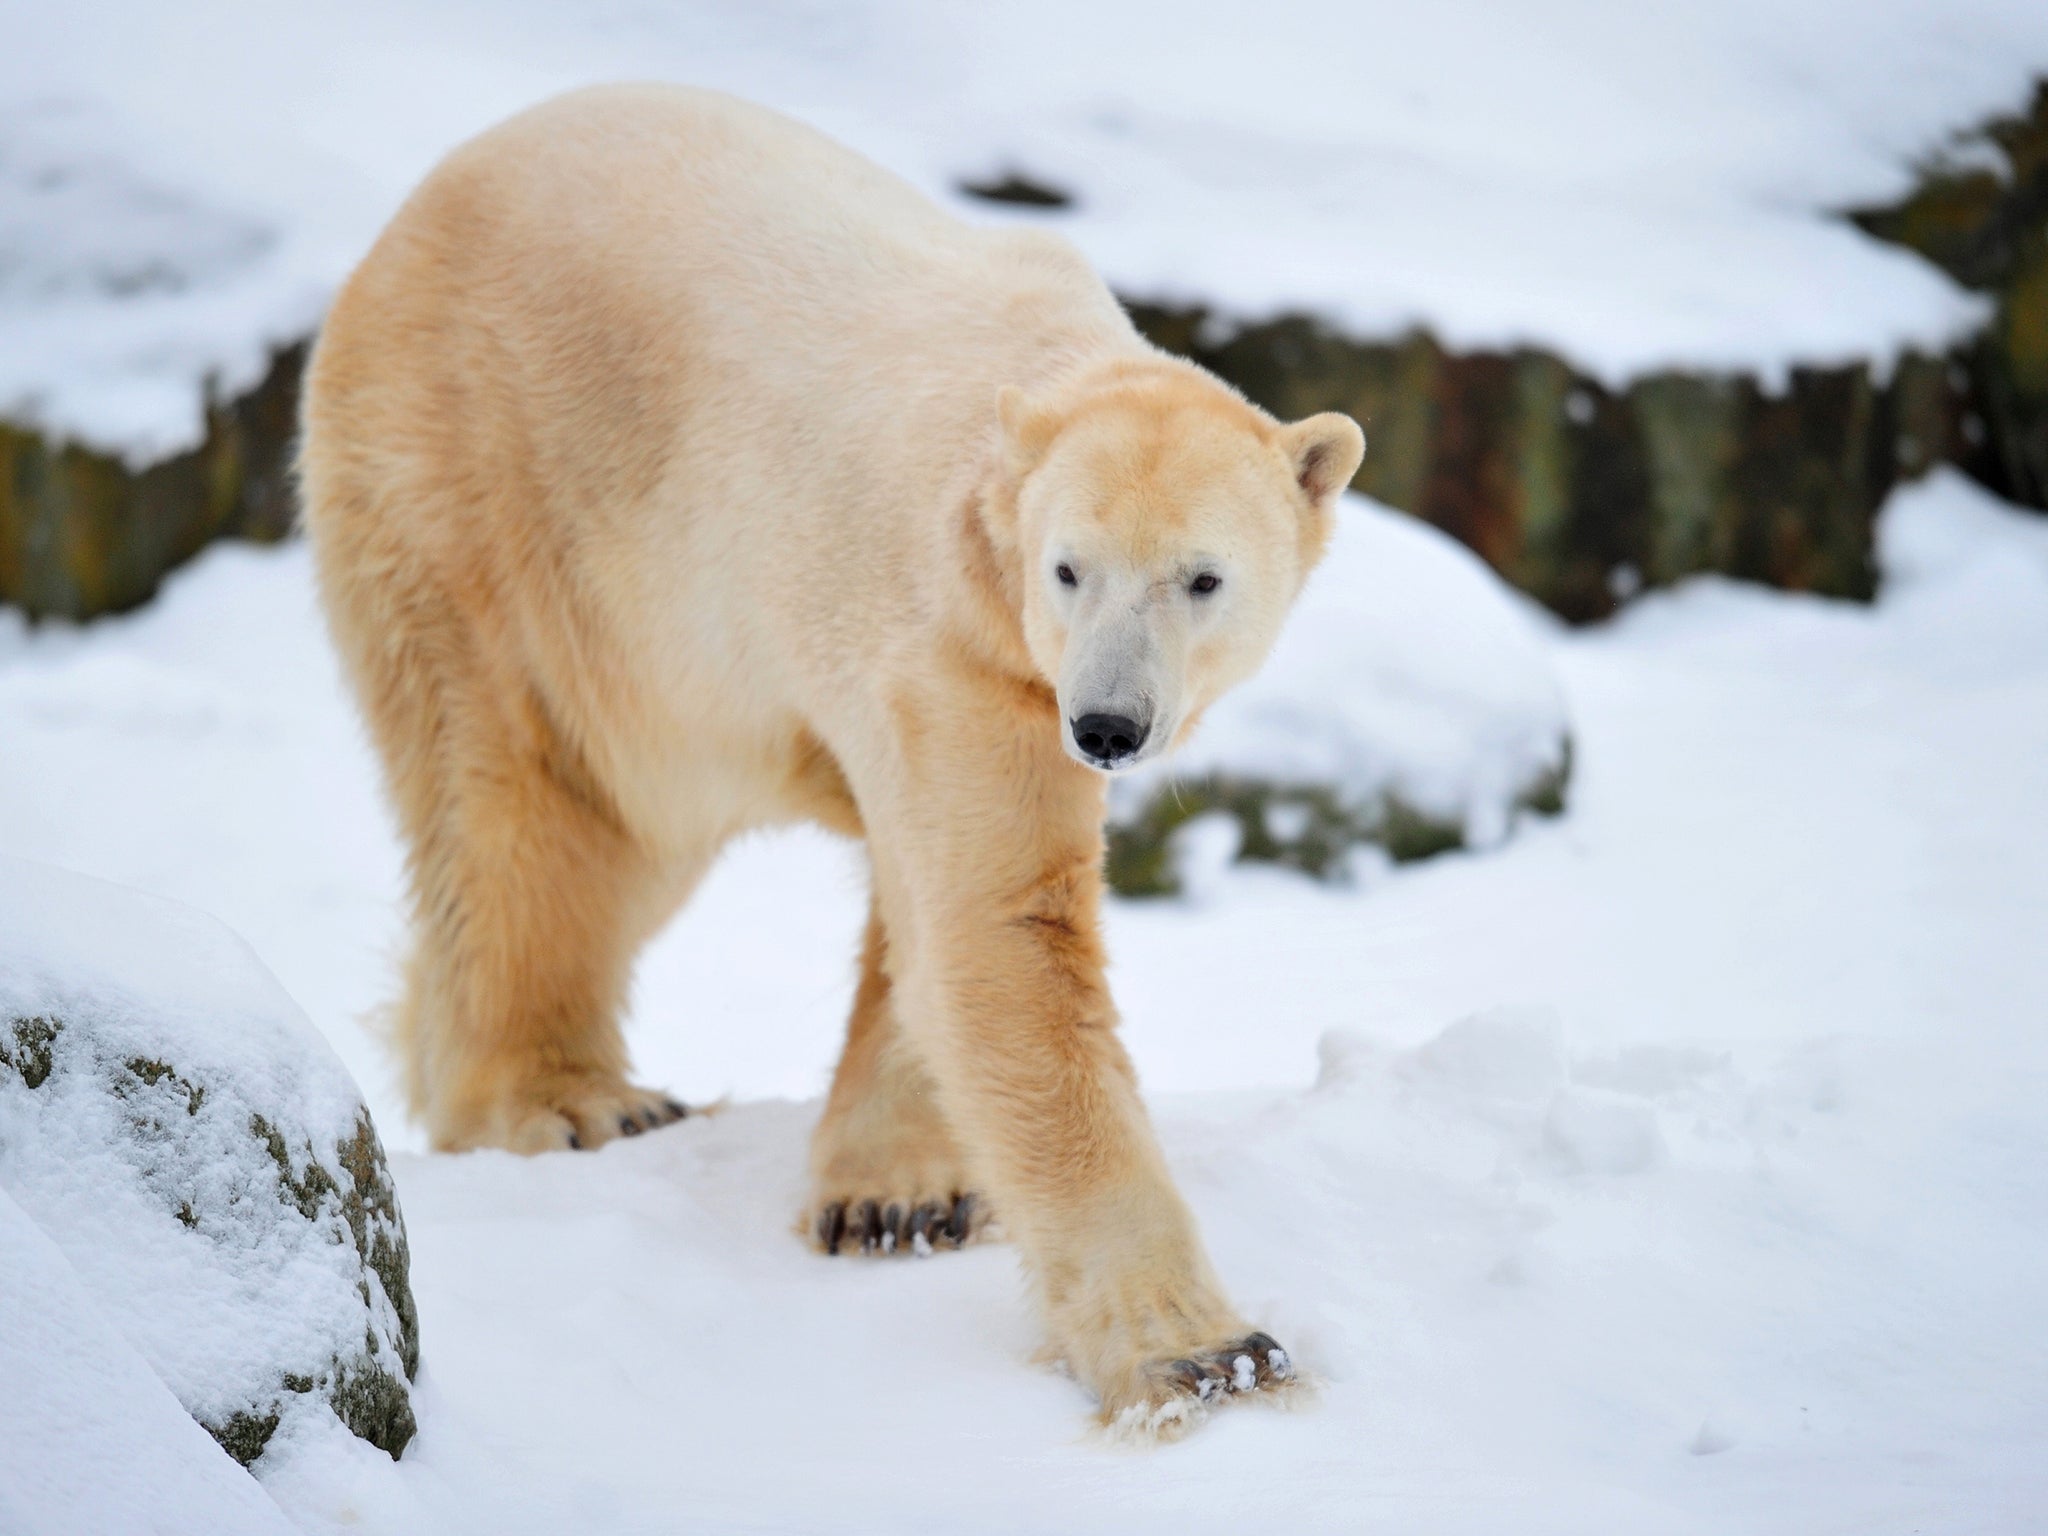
673,471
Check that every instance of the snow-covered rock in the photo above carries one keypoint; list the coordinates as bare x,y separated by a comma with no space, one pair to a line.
1409,703
174,1124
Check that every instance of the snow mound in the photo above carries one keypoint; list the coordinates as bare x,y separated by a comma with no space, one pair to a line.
1503,1090
1409,702
187,1139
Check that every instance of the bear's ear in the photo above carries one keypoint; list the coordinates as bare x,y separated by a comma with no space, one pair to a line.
1326,451
1027,431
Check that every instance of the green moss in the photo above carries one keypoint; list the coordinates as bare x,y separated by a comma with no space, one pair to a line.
154,1072
1944,220
375,1406
367,1397
1140,858
244,1435
307,1191
370,1206
1545,797
1410,835
1309,828
30,1053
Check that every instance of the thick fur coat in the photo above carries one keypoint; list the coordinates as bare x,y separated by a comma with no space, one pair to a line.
673,471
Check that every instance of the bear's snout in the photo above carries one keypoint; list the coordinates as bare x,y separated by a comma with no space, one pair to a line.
1109,741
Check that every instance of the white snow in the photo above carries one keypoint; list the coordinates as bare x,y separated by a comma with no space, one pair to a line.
1639,186
1675,1167
1406,668
90,1438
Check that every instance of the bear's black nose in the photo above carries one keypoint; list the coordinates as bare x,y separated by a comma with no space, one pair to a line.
1108,739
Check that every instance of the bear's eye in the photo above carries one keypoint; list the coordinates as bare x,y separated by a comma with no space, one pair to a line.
1205,583
1066,576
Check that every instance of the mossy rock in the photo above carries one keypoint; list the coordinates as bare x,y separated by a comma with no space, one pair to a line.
211,1174
1982,217
83,533
1582,495
1305,827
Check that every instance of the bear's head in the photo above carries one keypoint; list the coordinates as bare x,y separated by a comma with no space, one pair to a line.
1161,528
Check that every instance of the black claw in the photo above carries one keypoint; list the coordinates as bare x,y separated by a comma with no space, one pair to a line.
1275,1364
1261,1347
876,1229
677,1109
628,1126
575,1142
957,1223
1203,1379
1217,1373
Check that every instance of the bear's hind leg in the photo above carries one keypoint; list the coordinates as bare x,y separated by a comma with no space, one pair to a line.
887,1175
530,898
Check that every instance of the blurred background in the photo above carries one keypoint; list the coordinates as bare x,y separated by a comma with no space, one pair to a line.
1591,983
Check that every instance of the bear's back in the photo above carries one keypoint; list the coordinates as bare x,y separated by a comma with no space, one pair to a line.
657,233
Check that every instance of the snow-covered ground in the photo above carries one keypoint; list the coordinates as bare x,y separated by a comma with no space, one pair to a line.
1636,185
1678,1167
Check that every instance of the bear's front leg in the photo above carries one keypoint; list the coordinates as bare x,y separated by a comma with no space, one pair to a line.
988,872
887,1173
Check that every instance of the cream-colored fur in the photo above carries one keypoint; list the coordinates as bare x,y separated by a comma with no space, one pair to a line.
673,471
